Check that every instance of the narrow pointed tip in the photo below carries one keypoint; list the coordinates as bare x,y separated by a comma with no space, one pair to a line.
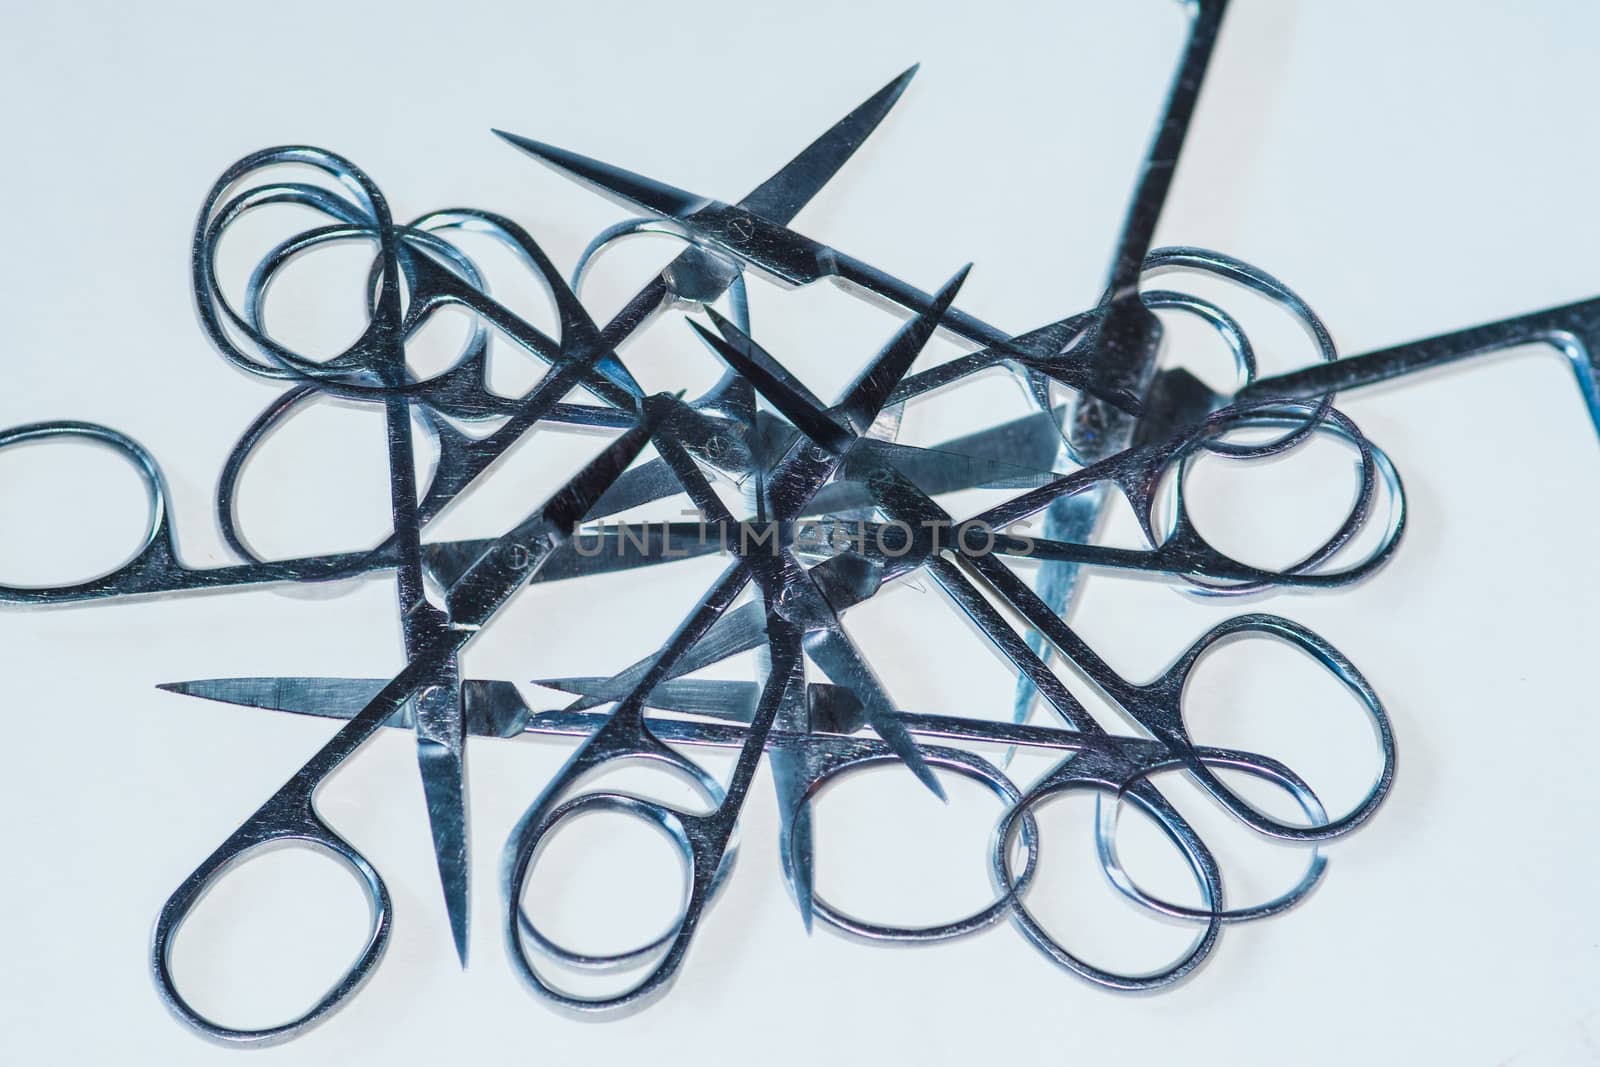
563,685
705,335
717,320
181,688
453,876
926,776
959,279
546,153
898,86
634,190
444,788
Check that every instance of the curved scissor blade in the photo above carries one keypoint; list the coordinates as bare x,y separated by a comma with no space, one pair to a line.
780,197
832,650
633,190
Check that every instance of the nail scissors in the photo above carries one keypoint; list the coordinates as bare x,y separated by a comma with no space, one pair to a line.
290,816
462,391
1156,707
828,748
1107,354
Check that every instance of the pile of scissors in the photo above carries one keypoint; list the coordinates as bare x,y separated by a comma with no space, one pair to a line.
834,510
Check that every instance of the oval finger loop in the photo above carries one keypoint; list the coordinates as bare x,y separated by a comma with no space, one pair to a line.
250,841
976,769
671,947
1109,815
1196,859
668,822
1327,827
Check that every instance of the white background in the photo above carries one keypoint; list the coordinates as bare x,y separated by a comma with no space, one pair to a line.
1408,168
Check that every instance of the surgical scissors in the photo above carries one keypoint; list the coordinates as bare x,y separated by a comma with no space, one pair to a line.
462,391
828,747
1155,707
290,815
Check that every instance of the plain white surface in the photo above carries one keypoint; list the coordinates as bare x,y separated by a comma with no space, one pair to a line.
1408,169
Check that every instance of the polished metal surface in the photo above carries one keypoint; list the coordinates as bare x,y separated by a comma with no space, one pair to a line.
817,507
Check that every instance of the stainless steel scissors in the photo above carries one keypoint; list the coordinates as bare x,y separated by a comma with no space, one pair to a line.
379,355
1154,708
814,762
1108,354
1573,330
827,749
461,391
290,817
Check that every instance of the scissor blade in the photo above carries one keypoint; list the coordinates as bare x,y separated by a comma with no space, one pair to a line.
493,708
933,471
645,484
444,773
630,189
759,356
780,197
869,393
832,650
327,698
738,631
712,697
793,404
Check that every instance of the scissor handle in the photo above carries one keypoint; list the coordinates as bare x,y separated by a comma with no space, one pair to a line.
1159,708
1260,767
156,557
1180,547
461,389
697,276
1159,424
288,819
703,841
714,794
1103,773
827,759
224,324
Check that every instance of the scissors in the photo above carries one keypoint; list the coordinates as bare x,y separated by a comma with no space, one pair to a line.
633,740
696,276
1135,473
499,710
625,734
1107,354
1015,454
830,461
156,567
827,749
290,817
